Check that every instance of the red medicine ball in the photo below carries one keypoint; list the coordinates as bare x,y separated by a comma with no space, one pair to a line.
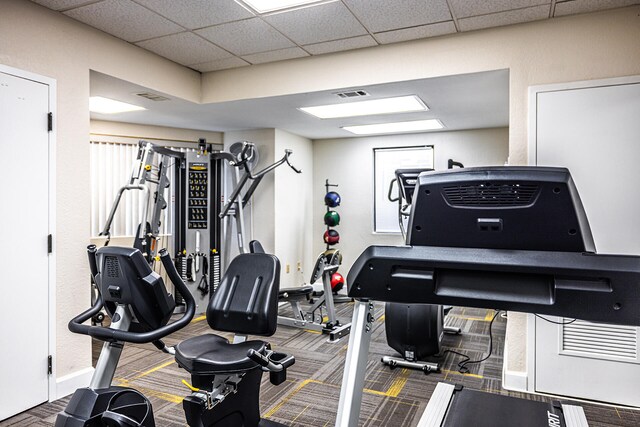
331,237
337,282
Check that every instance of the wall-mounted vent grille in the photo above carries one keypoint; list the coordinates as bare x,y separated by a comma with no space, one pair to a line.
152,96
352,94
112,267
599,340
491,194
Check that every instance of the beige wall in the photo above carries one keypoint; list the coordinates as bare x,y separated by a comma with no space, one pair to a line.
564,49
293,209
41,41
280,211
348,162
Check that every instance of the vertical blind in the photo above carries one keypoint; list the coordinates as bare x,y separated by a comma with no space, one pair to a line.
111,166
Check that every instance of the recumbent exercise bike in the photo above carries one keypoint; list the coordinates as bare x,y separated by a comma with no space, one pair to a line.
225,376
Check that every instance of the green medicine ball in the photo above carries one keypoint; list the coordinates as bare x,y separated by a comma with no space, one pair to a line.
332,218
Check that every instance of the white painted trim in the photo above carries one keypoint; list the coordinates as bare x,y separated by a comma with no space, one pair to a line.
531,353
512,380
533,161
51,83
69,383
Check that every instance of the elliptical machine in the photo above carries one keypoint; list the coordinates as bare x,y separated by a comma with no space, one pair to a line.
225,376
413,330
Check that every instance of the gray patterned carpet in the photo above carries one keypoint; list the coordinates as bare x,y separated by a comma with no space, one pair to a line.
310,395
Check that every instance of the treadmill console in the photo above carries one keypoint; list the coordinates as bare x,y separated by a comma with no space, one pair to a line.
527,208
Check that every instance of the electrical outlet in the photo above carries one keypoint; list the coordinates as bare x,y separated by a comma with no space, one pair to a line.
299,266
287,268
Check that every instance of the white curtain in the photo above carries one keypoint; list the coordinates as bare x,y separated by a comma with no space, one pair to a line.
111,167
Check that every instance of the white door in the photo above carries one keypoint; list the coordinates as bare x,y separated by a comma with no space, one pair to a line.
595,132
24,216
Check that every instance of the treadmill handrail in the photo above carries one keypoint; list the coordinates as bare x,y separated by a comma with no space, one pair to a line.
589,286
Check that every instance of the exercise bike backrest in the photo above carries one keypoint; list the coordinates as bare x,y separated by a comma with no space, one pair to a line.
246,301
125,279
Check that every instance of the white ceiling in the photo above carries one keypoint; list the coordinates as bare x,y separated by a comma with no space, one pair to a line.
209,35
467,101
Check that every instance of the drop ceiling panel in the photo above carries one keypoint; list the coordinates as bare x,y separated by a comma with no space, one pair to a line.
185,48
275,55
198,13
220,64
585,6
246,37
421,32
466,8
340,45
504,18
124,19
309,25
63,4
384,15
468,101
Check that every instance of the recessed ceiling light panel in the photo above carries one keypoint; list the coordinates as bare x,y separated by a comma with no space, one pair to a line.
396,127
99,104
264,6
398,104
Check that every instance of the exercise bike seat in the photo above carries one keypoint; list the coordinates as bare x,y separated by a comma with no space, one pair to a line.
212,354
301,292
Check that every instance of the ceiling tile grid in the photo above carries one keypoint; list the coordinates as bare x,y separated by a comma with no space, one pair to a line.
340,45
321,23
585,6
275,55
414,33
466,8
185,48
508,17
384,15
198,13
124,19
210,35
246,37
220,64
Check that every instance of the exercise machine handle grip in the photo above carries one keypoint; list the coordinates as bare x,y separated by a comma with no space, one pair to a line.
108,334
259,358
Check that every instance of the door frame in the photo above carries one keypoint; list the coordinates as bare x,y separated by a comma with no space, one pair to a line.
51,211
533,161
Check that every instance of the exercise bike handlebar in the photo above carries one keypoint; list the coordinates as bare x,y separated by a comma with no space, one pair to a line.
108,334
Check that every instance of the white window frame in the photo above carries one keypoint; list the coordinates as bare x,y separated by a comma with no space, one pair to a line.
429,151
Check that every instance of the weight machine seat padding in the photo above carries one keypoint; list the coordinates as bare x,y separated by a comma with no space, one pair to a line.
246,302
301,292
212,354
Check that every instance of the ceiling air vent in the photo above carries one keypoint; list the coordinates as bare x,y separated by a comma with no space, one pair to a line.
152,96
352,94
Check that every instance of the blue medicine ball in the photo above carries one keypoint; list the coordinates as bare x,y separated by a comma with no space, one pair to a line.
332,199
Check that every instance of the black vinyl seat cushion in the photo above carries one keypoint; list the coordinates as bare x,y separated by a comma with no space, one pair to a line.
213,354
298,292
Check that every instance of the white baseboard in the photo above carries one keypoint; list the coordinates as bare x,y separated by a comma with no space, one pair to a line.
69,383
514,380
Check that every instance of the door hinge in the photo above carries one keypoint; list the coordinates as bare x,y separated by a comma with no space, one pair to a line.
50,365
49,244
50,122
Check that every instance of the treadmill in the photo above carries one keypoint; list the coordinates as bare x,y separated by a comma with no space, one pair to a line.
509,238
